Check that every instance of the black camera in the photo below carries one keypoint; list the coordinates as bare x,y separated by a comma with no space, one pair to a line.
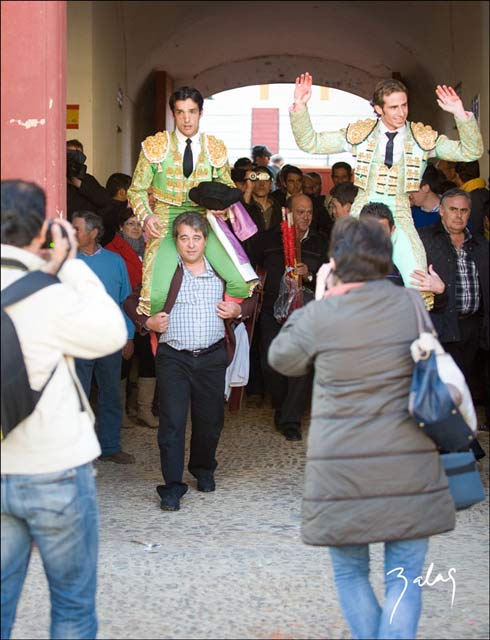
48,243
75,164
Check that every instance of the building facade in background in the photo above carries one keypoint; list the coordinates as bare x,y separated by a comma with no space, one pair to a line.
259,114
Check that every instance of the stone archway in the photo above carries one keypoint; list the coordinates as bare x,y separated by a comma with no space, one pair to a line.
217,46
281,68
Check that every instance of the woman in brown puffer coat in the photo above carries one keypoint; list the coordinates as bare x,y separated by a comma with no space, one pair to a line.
371,475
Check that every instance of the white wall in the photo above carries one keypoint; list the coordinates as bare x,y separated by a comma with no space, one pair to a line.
96,69
79,76
348,45
110,121
228,115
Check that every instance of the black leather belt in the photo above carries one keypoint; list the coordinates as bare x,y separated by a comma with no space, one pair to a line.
195,353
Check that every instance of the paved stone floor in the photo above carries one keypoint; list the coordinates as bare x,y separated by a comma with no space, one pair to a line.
231,563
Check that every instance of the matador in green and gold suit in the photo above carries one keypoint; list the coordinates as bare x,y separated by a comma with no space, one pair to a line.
160,167
378,183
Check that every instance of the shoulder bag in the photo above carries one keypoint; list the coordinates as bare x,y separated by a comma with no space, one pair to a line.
439,399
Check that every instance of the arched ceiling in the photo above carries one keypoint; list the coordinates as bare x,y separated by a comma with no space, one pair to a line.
269,69
349,45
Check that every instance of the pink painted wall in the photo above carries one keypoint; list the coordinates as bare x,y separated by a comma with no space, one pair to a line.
33,97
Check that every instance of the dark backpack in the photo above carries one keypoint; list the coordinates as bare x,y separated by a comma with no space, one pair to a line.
18,399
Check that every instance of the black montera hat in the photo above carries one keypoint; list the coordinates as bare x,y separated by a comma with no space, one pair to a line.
214,195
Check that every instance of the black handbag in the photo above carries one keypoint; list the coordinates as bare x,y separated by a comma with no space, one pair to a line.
464,479
442,408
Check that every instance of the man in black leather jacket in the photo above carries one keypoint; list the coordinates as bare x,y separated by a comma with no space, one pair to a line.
83,191
461,313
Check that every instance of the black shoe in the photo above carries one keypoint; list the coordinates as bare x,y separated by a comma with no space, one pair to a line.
170,498
206,484
292,433
170,502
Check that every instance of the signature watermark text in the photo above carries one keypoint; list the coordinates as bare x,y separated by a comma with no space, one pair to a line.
422,581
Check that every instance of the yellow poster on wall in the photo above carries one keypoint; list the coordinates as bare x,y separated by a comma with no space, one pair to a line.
72,116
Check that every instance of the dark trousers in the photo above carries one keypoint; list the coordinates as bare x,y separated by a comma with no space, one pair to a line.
144,356
289,395
198,382
255,384
107,373
483,364
464,352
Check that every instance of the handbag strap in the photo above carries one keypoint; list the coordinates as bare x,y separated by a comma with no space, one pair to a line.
424,322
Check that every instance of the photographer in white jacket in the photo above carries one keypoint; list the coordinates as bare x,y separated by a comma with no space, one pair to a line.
48,494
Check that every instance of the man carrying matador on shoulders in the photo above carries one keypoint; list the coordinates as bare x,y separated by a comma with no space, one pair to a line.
172,164
391,155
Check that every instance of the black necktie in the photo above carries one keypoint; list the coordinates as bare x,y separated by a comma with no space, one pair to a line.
188,163
389,149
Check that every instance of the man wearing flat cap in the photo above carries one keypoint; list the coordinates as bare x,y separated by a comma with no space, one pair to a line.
171,164
261,155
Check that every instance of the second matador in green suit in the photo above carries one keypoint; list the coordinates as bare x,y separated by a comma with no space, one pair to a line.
388,170
162,167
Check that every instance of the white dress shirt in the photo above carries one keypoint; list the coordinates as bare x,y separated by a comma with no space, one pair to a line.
195,146
398,141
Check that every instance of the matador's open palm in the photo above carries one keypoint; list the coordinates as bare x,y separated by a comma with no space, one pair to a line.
449,101
302,90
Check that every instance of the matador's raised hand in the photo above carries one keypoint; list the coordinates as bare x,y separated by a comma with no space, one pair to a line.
449,101
302,90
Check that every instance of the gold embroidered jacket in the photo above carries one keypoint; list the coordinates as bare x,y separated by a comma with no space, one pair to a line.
361,139
160,167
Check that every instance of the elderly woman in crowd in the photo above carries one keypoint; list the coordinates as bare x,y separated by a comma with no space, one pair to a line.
371,474
130,245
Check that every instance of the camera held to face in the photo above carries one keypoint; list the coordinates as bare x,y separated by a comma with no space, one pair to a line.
262,175
75,164
48,243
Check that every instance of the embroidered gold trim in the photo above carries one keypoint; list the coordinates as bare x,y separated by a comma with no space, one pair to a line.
140,211
358,131
253,284
143,307
412,186
217,152
428,298
424,135
156,147
360,181
371,145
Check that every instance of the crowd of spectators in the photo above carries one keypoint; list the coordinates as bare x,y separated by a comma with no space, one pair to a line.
270,187
453,225
265,205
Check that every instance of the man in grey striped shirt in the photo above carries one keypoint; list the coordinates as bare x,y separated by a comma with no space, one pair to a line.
191,361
